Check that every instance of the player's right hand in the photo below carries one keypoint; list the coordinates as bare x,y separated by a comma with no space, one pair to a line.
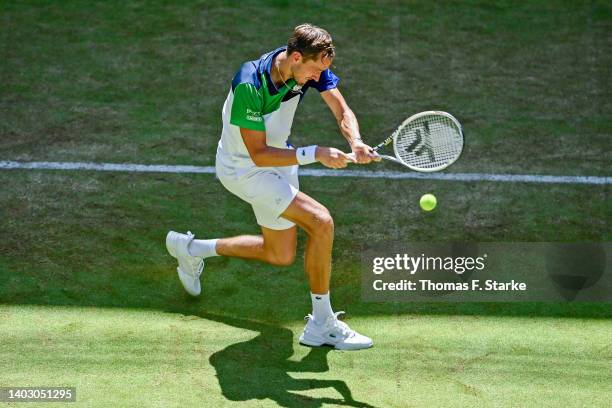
332,157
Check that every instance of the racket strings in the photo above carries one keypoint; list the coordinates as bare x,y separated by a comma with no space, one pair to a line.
429,142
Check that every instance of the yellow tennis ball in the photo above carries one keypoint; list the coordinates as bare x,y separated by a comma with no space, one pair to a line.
428,202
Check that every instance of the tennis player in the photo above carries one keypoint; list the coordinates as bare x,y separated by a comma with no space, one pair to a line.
256,162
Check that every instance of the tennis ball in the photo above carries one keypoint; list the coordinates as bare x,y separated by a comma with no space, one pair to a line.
428,202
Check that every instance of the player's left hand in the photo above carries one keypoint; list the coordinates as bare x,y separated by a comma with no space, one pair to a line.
364,154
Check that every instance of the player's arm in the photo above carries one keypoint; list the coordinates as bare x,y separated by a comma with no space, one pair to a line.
247,115
347,122
264,155
267,156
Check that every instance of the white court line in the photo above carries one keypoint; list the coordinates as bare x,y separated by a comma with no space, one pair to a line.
146,168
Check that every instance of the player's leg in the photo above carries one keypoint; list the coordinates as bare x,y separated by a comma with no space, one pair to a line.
276,247
323,326
318,224
269,191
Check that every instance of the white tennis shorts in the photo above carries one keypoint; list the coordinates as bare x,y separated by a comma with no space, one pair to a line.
269,190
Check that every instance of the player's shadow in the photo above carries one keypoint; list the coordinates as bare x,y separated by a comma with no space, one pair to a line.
259,368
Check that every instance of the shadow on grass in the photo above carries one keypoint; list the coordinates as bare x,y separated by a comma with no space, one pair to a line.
259,368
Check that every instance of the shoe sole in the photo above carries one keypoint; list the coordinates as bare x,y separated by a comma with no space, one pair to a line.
318,345
179,272
306,343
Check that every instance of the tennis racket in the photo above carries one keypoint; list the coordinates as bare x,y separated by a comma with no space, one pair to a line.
428,141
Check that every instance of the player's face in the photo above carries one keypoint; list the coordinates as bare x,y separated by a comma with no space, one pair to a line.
304,71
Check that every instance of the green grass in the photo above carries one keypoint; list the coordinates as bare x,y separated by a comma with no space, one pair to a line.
89,297
66,231
134,357
124,82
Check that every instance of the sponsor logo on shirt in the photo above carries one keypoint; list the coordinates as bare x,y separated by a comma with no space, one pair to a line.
253,115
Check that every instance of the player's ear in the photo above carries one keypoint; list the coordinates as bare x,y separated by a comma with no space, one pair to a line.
296,56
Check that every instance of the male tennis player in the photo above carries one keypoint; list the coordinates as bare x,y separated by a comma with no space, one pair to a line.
256,163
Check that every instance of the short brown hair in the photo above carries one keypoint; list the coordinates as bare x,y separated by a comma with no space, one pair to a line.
310,41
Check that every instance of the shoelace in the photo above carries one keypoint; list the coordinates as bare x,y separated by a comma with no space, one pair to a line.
337,324
341,326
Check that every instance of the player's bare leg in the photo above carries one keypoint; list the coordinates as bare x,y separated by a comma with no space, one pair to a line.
276,247
315,219
323,326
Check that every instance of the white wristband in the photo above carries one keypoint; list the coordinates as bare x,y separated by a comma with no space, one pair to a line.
306,155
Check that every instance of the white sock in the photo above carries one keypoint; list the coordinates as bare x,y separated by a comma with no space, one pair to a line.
203,248
321,307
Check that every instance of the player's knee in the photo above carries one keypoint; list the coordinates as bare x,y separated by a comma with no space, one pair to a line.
284,258
323,223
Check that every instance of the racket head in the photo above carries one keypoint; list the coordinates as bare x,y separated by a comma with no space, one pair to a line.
428,141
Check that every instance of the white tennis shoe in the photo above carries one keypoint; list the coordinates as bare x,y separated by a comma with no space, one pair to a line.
333,332
189,267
